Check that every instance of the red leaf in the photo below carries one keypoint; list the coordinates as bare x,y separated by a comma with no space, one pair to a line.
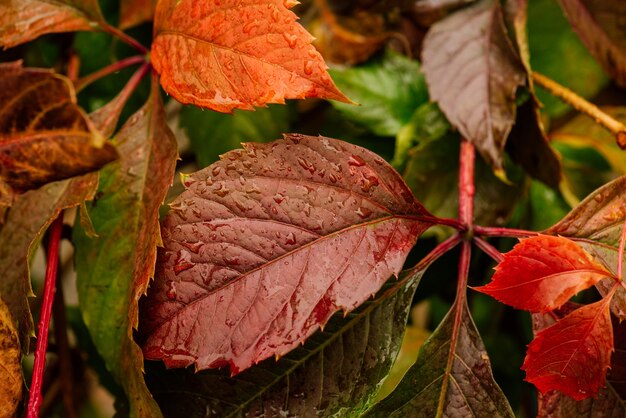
542,273
236,55
134,12
266,244
573,355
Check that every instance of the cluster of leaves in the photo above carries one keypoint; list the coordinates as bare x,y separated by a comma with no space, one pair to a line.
253,259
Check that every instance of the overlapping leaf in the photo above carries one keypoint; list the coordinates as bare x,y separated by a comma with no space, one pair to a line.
317,378
44,135
114,268
609,402
25,224
267,57
24,20
600,25
266,244
11,361
573,355
470,388
542,273
473,72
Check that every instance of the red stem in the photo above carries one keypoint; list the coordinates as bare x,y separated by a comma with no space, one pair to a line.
489,249
124,37
115,67
34,402
466,184
488,231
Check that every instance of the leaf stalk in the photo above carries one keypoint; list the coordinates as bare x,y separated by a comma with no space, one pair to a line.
109,69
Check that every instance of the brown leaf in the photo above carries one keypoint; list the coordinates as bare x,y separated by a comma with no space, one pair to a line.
11,365
26,222
24,20
266,244
600,25
44,135
473,73
207,59
135,12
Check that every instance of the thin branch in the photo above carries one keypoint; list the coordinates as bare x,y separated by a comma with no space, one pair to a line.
113,68
489,249
488,231
34,402
124,37
466,184
63,351
614,126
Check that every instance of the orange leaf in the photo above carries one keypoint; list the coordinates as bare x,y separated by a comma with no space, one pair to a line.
236,54
542,273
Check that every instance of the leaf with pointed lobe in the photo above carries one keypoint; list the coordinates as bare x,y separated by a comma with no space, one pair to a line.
471,389
573,355
267,57
315,379
542,273
11,360
113,270
473,72
600,25
24,20
610,400
44,135
266,244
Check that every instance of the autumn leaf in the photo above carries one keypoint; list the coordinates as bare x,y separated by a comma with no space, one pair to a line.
44,135
610,399
25,224
268,243
600,26
471,390
573,355
114,269
135,12
315,378
11,361
473,72
542,273
266,57
24,20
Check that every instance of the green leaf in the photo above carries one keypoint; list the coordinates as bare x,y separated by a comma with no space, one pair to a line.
212,133
337,371
434,387
114,269
556,51
388,88
27,220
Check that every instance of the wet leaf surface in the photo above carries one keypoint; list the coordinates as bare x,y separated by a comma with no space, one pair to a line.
315,379
114,268
266,244
542,273
205,60
44,135
24,20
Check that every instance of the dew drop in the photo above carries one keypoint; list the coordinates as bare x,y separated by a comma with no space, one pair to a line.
356,161
171,290
209,181
279,198
598,198
363,212
250,26
308,67
221,190
292,40
306,165
274,210
230,322
216,170
231,261
291,239
332,177
253,189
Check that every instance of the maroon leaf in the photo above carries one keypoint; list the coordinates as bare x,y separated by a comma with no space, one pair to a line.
473,73
600,25
573,355
266,244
